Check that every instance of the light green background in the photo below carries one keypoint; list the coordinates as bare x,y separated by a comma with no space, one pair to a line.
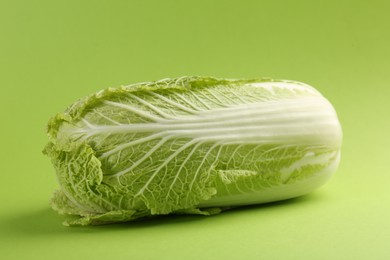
54,52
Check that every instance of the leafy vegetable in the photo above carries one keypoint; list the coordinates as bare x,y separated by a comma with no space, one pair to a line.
190,145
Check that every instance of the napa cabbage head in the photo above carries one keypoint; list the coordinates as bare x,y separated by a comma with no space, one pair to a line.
190,145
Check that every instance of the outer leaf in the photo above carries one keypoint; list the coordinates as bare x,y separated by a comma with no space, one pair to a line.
178,145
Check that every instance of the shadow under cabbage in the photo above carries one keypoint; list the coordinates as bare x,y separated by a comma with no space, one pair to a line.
46,222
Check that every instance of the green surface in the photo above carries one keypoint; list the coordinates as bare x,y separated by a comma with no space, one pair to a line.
54,52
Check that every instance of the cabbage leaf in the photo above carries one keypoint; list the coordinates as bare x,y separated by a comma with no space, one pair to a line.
193,145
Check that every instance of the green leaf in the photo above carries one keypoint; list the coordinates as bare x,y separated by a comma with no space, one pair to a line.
179,145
